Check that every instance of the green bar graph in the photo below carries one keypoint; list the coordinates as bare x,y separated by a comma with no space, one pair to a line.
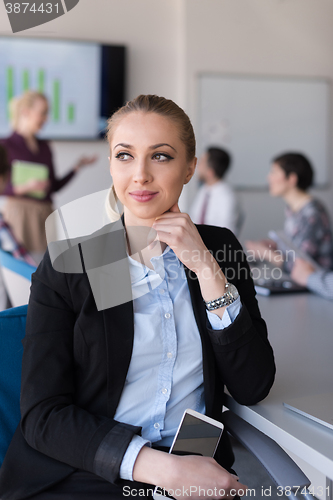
10,87
41,80
25,80
56,101
39,83
71,113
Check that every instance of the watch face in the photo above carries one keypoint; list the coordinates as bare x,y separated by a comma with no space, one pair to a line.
233,291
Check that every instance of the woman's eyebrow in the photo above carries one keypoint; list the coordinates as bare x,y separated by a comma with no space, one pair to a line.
156,146
128,146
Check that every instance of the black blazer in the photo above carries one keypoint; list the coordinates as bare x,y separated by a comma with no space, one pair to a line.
75,363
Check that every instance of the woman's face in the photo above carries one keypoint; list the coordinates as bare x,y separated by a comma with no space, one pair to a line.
279,183
148,165
36,115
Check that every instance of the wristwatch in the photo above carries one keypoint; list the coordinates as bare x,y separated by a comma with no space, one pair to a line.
228,298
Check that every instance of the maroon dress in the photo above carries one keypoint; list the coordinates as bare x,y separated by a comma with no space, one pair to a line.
26,214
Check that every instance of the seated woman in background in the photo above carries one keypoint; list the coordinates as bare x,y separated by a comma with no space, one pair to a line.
307,223
30,203
99,384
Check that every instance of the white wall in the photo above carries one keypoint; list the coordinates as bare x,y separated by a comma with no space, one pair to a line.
171,41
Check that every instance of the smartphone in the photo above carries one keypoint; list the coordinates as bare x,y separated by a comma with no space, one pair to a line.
197,434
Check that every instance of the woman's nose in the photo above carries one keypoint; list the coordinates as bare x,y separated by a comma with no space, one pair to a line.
142,172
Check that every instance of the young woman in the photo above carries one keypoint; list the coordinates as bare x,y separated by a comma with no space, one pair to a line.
307,222
25,212
100,385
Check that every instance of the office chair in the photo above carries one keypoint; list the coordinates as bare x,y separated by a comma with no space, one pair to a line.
12,330
16,276
282,469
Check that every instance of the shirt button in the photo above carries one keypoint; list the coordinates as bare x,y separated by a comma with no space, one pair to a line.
167,315
164,391
161,291
169,355
156,425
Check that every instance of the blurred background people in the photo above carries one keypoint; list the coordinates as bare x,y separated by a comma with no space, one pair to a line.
30,203
216,203
8,242
318,281
307,223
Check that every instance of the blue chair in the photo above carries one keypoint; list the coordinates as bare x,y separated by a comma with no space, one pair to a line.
12,330
16,276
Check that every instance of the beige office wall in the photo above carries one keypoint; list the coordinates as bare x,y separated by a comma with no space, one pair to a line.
260,37
171,41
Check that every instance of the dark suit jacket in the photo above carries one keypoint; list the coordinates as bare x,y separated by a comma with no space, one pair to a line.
75,363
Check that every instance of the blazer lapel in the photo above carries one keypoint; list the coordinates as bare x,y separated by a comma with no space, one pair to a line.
119,335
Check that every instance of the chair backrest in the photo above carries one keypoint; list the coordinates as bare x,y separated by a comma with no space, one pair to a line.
16,276
12,330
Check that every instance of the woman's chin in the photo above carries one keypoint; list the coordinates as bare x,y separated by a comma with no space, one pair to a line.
144,213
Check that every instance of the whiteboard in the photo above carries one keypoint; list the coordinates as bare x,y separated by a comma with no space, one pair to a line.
258,118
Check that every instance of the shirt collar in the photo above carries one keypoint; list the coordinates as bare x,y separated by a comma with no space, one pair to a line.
139,271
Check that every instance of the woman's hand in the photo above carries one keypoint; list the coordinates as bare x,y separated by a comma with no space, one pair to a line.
178,231
84,161
301,271
186,476
264,250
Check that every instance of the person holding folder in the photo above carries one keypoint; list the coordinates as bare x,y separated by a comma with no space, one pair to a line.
32,180
108,372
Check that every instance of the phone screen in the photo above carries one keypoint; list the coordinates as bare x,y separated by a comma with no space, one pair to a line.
197,436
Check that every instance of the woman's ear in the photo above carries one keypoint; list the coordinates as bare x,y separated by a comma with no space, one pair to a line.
190,170
293,179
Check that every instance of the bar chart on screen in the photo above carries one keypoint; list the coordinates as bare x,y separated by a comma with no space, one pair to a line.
69,76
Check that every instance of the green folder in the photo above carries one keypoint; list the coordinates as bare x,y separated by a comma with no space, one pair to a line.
24,171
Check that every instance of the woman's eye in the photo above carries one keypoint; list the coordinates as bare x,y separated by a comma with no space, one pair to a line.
162,157
123,156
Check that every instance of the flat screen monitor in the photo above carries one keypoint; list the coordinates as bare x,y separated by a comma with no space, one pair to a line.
83,81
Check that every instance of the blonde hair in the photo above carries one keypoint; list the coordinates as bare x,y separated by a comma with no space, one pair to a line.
151,104
17,104
111,205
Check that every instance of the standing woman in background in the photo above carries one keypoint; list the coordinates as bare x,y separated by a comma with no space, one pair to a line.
30,203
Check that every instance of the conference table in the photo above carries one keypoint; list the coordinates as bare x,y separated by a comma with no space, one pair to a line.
300,329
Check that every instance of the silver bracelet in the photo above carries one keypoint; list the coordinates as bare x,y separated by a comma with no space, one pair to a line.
228,298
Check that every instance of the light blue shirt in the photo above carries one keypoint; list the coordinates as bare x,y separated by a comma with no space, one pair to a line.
165,375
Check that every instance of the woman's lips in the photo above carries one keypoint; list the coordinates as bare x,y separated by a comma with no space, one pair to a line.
143,195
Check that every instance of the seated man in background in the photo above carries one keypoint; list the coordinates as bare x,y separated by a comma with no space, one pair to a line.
216,203
320,282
